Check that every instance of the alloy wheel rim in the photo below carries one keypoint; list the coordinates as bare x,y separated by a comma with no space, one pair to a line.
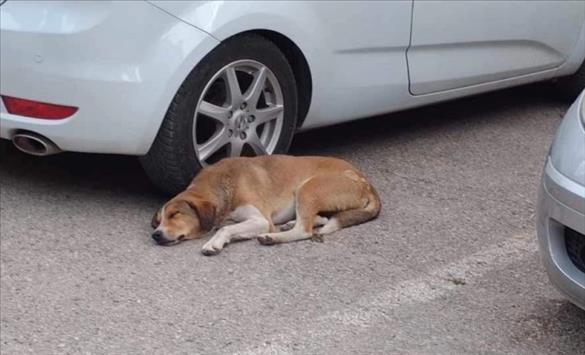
240,112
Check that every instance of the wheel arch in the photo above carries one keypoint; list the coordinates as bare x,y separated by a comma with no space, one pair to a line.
272,21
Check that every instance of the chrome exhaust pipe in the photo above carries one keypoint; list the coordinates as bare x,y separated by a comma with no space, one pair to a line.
34,144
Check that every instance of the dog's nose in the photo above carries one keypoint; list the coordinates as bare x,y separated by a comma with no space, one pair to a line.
158,237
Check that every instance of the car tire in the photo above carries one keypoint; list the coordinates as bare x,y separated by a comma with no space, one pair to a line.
174,157
571,86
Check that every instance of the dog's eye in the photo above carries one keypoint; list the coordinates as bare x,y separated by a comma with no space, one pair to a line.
174,214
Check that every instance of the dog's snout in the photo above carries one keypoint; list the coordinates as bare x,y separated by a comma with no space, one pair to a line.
159,237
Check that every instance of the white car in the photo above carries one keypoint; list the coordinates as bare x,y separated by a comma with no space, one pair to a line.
185,83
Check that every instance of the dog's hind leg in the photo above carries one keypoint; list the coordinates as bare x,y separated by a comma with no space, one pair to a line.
319,222
351,217
323,193
251,223
306,208
354,216
347,195
345,219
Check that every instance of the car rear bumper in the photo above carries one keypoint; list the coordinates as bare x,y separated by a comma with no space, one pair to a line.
120,63
561,206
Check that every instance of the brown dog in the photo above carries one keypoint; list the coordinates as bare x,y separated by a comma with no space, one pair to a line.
260,197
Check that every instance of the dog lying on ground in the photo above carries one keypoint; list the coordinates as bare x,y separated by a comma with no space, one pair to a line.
276,199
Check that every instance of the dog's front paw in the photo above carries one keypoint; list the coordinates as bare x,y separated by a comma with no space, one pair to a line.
210,251
212,247
265,239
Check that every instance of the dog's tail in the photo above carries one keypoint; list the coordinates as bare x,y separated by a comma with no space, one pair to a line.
360,215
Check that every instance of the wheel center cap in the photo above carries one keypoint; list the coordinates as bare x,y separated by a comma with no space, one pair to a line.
241,123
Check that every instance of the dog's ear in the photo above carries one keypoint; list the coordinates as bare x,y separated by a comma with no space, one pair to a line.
155,219
205,211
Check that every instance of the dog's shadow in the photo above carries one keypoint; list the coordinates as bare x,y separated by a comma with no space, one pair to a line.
123,175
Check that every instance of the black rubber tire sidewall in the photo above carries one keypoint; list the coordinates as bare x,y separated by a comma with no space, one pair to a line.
171,162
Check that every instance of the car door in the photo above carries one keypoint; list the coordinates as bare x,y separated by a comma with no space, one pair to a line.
457,44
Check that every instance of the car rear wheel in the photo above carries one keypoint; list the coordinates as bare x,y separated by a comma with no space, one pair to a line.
240,100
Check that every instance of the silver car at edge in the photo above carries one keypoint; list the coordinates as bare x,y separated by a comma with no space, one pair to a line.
561,207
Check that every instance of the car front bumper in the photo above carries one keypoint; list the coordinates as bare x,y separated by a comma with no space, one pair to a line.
555,216
561,208
119,62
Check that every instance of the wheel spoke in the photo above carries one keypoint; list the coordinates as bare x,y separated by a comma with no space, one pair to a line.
253,93
214,143
236,148
267,114
210,110
233,87
256,144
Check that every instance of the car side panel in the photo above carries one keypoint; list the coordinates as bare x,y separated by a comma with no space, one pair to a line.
577,57
462,43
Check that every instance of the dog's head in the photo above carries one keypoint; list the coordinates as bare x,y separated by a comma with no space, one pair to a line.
182,218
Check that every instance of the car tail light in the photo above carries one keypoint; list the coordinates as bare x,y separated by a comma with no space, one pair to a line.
36,109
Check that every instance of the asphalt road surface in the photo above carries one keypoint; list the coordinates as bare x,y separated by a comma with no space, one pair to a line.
450,266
